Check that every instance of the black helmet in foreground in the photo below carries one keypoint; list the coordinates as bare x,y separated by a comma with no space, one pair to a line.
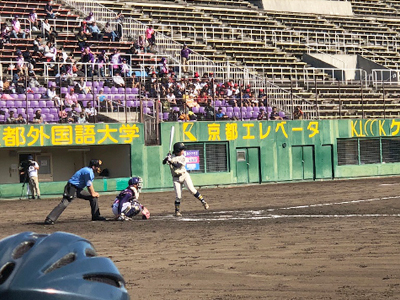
178,147
56,266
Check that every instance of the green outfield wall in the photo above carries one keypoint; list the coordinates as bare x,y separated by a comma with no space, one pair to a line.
219,153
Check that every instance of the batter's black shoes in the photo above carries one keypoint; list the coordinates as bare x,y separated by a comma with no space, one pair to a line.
48,222
98,218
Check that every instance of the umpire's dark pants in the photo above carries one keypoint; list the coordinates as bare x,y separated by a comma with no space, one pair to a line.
70,192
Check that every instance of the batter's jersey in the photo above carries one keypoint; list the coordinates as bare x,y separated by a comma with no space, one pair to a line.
181,169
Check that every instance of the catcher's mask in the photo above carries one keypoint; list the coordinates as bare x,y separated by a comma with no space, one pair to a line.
136,181
96,163
58,266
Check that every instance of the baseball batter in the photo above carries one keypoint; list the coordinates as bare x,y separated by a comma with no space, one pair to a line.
181,177
126,204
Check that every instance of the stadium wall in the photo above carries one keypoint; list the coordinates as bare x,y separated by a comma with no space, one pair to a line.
219,153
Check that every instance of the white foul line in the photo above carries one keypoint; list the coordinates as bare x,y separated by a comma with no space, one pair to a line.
265,213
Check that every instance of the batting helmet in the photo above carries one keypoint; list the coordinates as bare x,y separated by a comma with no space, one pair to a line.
56,266
178,147
30,157
136,180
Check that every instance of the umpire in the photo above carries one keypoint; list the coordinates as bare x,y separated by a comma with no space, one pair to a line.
74,188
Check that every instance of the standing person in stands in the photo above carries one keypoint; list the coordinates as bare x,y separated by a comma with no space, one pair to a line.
185,52
150,36
101,60
120,19
115,61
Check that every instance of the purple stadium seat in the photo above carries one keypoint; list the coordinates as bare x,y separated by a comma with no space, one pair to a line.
256,109
35,89
14,96
54,110
202,110
128,90
114,90
229,114
30,97
146,110
236,109
18,103
42,90
196,110
89,83
37,96
42,103
237,115
175,108
63,90
130,103
30,110
2,118
165,116
10,103
218,103
107,90
135,91
282,114
121,90
223,109
67,109
49,103
3,103
45,110
21,97
20,110
255,115
229,109
96,84
269,109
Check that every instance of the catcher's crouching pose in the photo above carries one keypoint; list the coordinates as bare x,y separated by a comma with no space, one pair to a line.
126,205
181,177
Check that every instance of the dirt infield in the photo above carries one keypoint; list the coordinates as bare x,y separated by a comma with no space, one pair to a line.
317,240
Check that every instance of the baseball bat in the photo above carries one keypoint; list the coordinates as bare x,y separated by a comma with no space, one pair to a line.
171,138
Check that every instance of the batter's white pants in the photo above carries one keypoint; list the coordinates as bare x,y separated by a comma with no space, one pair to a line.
178,185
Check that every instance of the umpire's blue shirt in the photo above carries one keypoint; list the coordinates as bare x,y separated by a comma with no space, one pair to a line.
82,178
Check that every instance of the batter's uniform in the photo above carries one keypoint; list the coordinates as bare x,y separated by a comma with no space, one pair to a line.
126,204
33,179
180,178
74,189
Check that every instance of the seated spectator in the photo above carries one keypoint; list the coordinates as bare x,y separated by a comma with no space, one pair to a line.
50,52
171,98
20,119
104,102
33,82
126,70
275,115
74,113
90,112
63,115
202,99
52,95
101,60
16,28
33,20
5,35
81,39
38,48
48,10
48,31
11,118
81,118
81,87
37,118
109,32
118,80
298,114
220,116
173,115
210,112
71,99
96,32
262,115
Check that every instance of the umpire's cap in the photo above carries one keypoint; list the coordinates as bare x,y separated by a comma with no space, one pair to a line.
58,266
178,147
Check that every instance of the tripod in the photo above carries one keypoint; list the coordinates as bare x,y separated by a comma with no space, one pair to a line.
25,181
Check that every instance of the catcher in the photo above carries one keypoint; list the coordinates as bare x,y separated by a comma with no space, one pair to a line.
126,205
181,177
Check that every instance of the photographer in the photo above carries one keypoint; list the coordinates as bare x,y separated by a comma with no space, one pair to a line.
30,170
